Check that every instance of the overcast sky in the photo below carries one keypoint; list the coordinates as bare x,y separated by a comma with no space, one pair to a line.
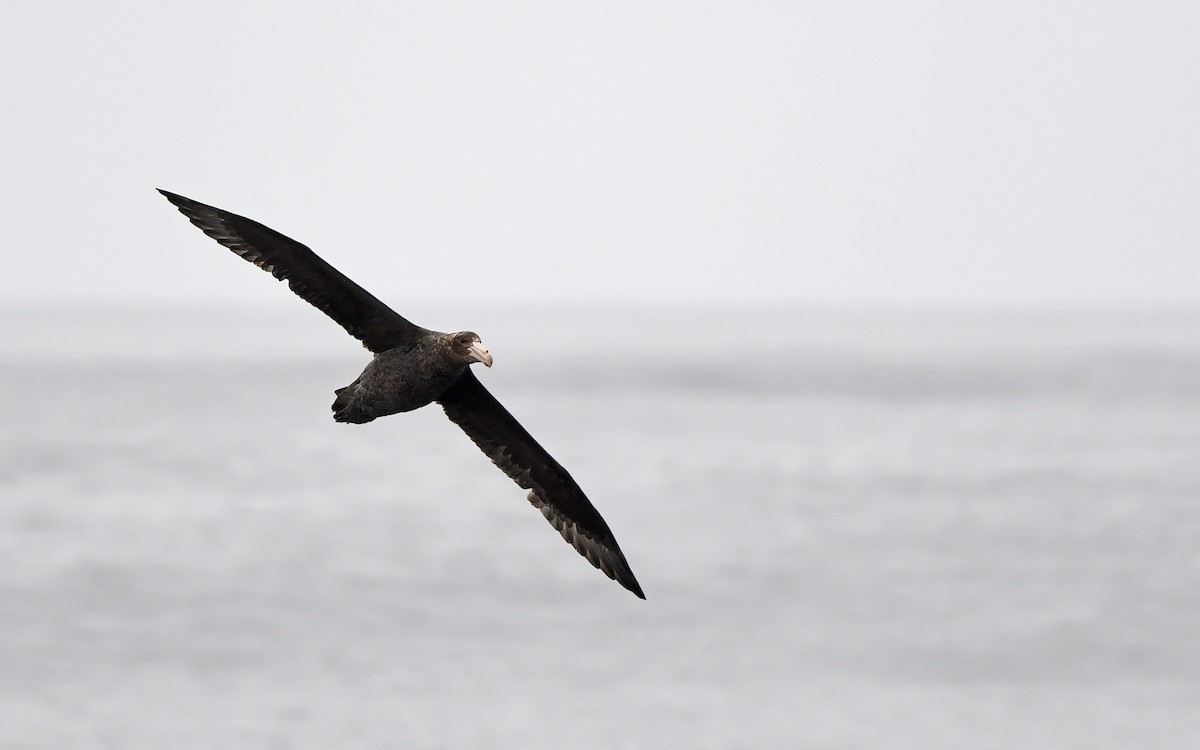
1016,153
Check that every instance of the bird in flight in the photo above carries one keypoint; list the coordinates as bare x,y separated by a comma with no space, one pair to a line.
413,366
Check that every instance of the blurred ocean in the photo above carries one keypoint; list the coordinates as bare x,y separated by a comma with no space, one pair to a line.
855,530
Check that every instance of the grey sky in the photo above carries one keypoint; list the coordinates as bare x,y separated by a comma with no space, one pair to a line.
1023,153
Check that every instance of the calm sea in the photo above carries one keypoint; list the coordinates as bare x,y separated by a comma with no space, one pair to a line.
855,530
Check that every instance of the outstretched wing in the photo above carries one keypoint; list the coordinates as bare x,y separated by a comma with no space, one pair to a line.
551,489
315,281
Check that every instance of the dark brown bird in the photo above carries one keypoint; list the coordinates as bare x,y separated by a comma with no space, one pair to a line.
414,366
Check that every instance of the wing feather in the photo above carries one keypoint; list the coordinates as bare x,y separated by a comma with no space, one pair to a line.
311,278
551,489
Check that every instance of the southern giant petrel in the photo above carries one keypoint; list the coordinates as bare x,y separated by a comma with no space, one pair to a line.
414,366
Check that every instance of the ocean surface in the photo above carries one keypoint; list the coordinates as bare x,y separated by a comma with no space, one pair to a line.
855,530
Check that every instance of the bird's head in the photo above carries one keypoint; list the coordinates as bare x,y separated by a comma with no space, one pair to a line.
467,348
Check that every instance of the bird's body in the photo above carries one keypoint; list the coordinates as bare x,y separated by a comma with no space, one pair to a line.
413,367
407,377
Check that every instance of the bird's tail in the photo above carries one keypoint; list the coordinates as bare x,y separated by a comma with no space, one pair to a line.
344,408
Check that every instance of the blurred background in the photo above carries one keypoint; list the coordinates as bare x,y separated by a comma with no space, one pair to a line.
871,329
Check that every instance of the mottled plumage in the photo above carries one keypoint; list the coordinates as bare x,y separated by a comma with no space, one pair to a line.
414,366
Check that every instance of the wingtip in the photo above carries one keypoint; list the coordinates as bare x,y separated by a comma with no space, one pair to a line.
186,205
173,197
630,583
